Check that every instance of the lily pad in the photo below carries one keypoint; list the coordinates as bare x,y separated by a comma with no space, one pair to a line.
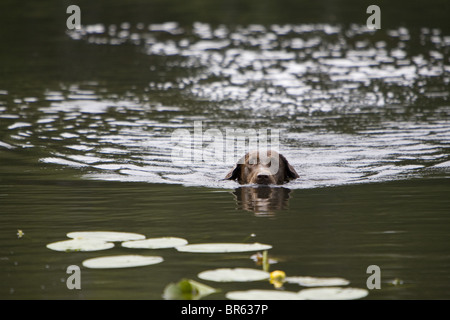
317,282
155,243
223,247
106,235
121,261
80,245
263,295
187,289
333,293
236,274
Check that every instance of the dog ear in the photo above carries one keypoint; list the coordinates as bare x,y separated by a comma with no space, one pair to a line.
234,173
290,172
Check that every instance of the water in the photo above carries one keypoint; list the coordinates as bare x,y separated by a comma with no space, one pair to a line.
87,123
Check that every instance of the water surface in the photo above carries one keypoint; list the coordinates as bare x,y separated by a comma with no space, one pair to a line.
87,138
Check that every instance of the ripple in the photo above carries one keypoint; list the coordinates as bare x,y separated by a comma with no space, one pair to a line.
19,125
352,106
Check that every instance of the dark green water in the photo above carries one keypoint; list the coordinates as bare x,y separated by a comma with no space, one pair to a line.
87,120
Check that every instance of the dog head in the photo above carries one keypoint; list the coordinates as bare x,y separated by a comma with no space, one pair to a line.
262,167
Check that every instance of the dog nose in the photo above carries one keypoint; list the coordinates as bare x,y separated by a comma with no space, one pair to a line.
262,178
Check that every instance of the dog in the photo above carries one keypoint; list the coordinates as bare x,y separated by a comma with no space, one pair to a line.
262,167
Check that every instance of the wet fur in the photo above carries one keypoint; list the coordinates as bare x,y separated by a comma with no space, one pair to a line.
254,168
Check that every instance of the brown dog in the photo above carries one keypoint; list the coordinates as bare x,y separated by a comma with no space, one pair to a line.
262,167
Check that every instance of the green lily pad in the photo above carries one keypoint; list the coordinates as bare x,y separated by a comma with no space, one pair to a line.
187,289
74,245
223,247
106,235
236,274
155,243
317,282
263,295
121,261
333,293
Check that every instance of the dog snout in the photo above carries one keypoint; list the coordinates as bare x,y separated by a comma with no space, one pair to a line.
264,178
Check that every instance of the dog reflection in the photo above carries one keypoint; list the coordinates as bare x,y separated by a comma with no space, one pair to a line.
262,200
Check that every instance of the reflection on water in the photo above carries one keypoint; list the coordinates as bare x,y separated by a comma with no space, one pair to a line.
351,105
291,69
262,200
